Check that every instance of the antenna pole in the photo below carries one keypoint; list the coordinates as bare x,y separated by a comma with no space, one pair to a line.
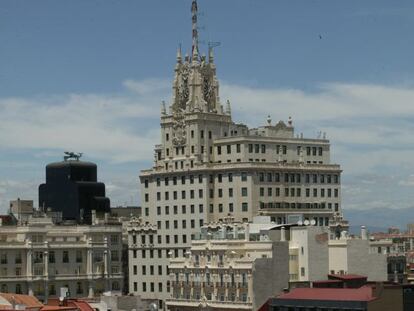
194,10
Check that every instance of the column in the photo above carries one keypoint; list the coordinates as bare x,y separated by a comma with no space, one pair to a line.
46,273
106,270
91,293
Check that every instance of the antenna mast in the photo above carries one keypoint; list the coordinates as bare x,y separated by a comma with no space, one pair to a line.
194,10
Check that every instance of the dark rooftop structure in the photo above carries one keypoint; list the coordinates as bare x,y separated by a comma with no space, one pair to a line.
72,188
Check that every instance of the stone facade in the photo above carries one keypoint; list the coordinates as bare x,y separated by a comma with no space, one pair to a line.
40,257
231,267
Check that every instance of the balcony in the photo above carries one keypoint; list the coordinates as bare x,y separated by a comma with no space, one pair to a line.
196,303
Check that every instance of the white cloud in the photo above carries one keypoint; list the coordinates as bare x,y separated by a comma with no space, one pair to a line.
147,86
369,126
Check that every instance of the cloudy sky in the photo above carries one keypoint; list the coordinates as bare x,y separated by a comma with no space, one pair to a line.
89,76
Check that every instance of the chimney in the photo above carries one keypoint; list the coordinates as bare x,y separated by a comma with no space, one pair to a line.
364,235
282,234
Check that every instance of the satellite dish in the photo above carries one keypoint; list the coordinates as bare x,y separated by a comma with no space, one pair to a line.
313,222
306,222
300,223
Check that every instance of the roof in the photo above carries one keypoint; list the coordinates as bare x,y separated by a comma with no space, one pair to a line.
82,305
57,308
336,294
327,281
30,302
347,277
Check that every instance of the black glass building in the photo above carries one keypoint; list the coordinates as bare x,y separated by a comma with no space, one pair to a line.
71,188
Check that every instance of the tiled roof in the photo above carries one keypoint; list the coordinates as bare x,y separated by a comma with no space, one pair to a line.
30,302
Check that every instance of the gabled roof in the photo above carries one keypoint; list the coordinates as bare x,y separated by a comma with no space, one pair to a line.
336,294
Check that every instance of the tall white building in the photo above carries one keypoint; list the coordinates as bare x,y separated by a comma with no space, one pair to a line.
207,167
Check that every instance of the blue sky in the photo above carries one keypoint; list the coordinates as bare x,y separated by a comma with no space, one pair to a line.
89,76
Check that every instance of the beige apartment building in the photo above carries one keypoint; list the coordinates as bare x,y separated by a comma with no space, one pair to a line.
232,266
208,167
39,257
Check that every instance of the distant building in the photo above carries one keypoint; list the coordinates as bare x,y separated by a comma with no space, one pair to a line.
399,248
231,266
357,256
39,257
309,256
21,209
71,188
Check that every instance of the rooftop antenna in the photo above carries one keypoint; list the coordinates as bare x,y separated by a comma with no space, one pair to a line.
194,10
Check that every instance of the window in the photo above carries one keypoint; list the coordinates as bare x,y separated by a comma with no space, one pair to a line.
200,208
51,257
244,207
144,286
320,151
220,193
244,192
183,209
231,208
302,271
336,193
263,148
192,222
158,196
238,148
79,256
228,149
218,150
243,176
183,194
65,256
220,177
200,179
284,149
220,206
250,148
269,192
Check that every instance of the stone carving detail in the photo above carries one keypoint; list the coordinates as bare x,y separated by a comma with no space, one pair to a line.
179,127
183,91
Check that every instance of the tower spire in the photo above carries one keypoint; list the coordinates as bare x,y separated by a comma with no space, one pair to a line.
194,9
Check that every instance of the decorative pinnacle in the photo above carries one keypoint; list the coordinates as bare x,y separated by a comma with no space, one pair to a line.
194,10
179,57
